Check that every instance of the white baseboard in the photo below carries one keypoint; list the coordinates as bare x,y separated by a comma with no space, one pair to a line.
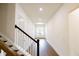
54,48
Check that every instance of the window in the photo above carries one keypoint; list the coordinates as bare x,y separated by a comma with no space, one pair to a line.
40,30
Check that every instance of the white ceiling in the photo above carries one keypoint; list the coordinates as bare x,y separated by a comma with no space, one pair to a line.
32,10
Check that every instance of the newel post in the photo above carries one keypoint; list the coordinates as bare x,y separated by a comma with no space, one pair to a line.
38,47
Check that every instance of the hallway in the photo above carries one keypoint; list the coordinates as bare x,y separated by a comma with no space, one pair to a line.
58,23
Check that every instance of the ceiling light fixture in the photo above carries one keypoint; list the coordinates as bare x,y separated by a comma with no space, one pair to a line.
41,9
40,23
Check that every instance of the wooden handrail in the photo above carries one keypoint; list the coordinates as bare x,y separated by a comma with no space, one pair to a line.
7,49
25,33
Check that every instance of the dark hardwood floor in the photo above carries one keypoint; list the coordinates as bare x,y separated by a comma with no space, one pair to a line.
45,49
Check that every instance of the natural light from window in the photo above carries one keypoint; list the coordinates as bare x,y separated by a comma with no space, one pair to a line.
40,30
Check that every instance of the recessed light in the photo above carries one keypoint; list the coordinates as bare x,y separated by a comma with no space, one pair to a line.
41,9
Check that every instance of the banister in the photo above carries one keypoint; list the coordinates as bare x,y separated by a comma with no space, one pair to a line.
25,33
30,38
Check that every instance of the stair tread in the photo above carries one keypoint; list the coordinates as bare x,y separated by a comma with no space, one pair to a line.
22,55
0,36
16,50
5,41
2,39
10,45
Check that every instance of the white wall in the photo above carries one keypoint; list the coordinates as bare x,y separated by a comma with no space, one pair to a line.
24,22
57,29
7,20
74,32
28,25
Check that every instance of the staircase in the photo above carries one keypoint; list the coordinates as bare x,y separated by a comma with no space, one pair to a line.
10,49
33,42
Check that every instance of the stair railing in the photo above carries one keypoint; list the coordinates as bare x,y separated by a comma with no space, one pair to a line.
36,41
